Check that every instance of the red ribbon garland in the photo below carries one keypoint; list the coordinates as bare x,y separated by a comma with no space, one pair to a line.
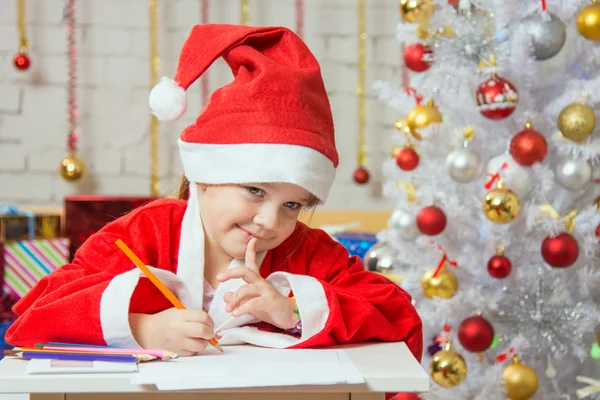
503,356
413,92
445,260
543,5
495,177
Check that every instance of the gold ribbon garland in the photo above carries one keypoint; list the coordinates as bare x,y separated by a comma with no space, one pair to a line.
154,125
568,218
245,12
21,17
360,87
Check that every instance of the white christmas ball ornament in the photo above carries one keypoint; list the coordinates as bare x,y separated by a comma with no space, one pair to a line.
404,224
463,165
514,176
168,101
573,174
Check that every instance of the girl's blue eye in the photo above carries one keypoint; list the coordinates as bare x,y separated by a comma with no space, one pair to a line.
255,191
292,205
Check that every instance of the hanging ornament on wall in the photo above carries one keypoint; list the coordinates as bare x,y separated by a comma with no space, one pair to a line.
514,176
548,34
361,174
418,57
497,98
576,122
562,250
431,220
154,62
520,379
422,116
404,224
72,168
573,173
475,334
300,18
447,367
204,78
244,12
416,11
499,266
464,165
588,21
21,61
528,146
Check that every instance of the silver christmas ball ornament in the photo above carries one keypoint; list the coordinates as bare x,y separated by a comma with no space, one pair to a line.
381,258
463,165
573,174
404,224
548,35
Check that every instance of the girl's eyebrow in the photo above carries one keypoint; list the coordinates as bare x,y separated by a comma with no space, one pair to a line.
270,186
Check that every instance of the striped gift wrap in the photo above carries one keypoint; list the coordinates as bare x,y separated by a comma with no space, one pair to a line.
27,261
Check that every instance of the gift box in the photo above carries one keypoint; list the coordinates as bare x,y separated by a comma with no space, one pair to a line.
87,214
20,224
27,261
357,243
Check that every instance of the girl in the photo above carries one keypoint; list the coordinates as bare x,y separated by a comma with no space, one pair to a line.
231,249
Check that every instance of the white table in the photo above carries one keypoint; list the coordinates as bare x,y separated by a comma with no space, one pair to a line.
385,367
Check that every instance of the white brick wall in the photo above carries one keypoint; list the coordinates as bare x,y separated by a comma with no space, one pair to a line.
113,76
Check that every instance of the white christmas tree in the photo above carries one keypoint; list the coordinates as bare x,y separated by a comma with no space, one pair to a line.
495,233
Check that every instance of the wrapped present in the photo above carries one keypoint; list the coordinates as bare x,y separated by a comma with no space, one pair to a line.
27,261
21,224
357,243
87,214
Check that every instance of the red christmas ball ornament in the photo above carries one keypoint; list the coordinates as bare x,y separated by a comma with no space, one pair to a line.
417,57
476,334
560,251
361,175
499,266
454,3
528,146
22,61
431,220
497,98
407,159
598,231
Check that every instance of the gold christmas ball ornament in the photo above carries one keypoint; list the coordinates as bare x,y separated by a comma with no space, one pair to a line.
422,116
588,21
576,122
443,285
501,205
72,168
521,380
448,368
416,10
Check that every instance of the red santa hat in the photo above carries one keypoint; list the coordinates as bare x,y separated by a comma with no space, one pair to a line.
272,123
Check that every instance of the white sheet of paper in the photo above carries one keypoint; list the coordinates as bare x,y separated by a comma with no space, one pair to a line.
43,366
244,366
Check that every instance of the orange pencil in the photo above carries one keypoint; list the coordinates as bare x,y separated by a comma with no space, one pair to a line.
159,285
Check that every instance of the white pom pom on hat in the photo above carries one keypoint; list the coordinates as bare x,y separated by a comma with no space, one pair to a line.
168,100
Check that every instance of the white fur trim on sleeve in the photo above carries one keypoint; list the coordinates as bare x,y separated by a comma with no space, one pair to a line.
114,304
312,304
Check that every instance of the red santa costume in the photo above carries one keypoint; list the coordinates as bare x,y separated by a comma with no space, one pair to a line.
272,123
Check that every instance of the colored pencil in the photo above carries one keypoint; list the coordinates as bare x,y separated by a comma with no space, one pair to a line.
17,351
29,355
72,345
162,354
159,285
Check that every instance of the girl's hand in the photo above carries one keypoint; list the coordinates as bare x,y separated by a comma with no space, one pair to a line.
185,332
258,297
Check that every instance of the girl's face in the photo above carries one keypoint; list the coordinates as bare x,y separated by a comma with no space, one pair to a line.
233,214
